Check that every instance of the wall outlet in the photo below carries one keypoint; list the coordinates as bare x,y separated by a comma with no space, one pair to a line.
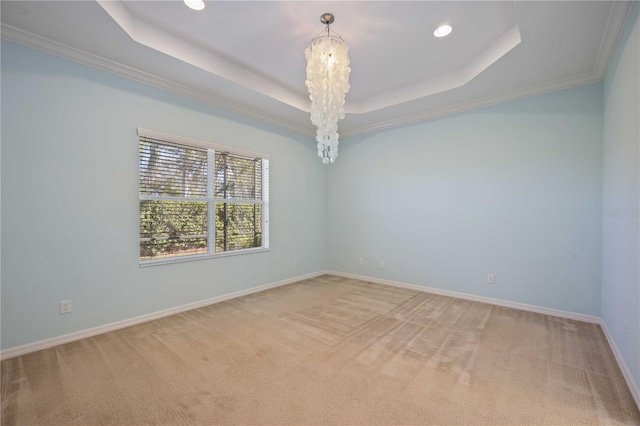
625,328
295,262
65,306
491,278
382,264
361,261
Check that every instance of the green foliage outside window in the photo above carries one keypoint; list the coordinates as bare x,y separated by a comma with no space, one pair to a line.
175,200
172,228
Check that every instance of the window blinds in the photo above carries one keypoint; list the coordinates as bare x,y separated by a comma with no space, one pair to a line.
199,201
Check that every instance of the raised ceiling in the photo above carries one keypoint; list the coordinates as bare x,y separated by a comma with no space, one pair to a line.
249,56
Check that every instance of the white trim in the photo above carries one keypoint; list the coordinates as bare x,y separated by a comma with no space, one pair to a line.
633,386
618,15
173,198
238,200
212,148
190,258
498,302
265,205
72,337
155,38
211,208
199,143
52,47
512,95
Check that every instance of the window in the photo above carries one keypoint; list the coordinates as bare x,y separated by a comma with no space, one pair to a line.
199,199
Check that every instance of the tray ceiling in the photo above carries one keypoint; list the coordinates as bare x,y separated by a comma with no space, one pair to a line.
249,56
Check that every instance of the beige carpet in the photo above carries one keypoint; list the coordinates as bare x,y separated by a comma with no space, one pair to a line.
328,351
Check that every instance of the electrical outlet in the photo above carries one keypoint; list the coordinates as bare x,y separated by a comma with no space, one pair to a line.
491,279
382,264
625,328
65,306
295,262
361,261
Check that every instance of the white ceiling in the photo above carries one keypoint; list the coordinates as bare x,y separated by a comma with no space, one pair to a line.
249,56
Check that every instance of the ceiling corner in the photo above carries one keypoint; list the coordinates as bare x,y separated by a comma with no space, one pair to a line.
620,11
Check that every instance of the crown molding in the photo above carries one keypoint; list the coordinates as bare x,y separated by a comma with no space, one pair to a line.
52,47
538,89
618,16
616,22
155,38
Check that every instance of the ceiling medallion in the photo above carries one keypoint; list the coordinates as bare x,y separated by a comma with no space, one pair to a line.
328,82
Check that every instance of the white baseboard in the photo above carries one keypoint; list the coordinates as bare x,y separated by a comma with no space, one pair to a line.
71,337
499,302
633,386
82,334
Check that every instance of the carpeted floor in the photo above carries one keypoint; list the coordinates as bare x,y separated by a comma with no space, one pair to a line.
328,350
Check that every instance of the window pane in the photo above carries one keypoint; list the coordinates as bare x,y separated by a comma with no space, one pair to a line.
179,182
238,226
238,177
172,171
172,228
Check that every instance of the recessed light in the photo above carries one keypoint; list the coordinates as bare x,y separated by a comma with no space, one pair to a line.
195,4
442,31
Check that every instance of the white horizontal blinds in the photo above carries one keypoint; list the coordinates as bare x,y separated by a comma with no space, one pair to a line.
199,199
172,170
237,177
265,203
211,241
238,191
174,200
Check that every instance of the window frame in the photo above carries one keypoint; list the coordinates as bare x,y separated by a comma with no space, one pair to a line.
212,201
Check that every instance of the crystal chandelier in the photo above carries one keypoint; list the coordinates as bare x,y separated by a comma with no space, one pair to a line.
328,82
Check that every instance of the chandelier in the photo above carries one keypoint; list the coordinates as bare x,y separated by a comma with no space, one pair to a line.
328,82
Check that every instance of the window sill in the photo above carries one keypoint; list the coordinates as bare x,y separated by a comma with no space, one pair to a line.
154,262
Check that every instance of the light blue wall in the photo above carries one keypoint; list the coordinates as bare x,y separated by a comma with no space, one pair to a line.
621,227
70,199
513,189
